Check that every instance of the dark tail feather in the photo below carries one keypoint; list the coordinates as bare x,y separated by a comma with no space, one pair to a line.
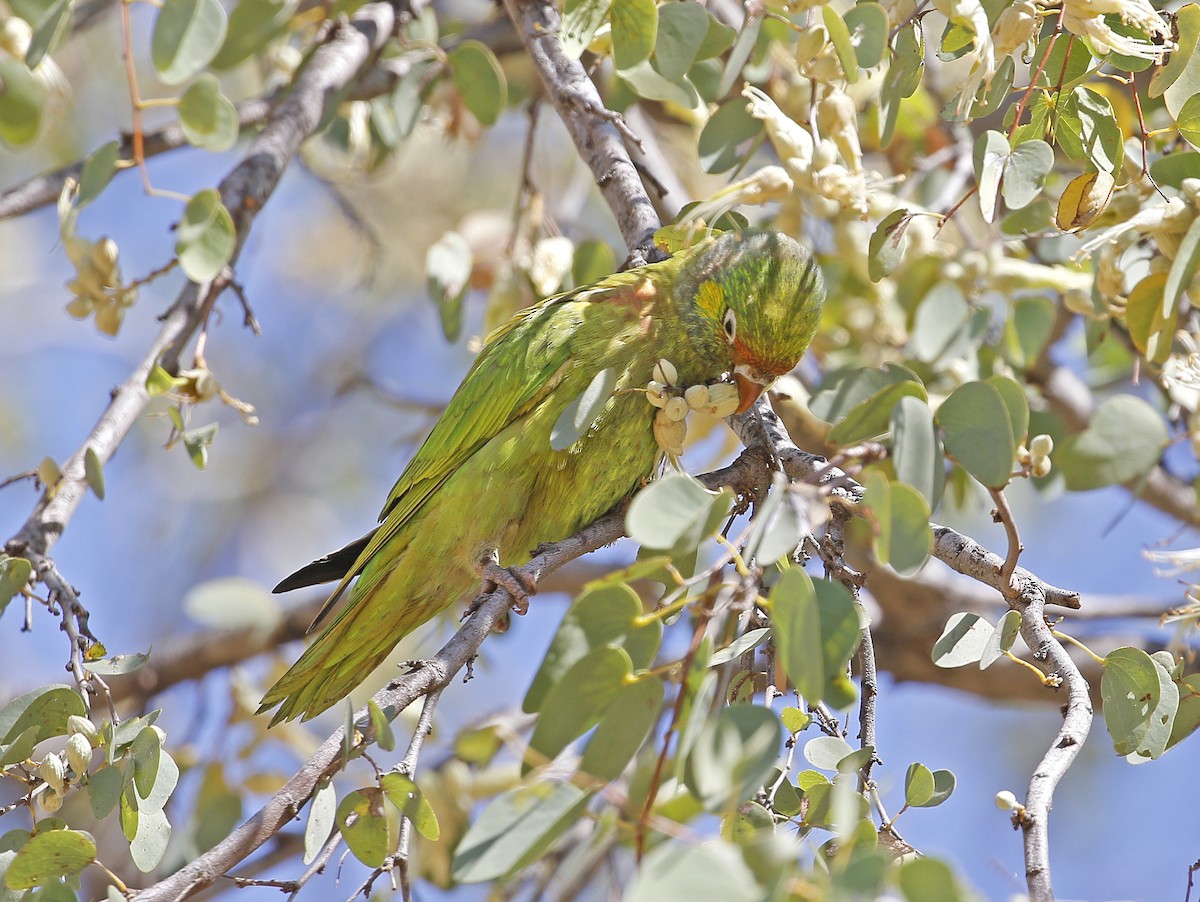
332,567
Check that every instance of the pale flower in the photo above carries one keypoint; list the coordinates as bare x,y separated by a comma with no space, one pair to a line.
1015,27
1086,19
970,14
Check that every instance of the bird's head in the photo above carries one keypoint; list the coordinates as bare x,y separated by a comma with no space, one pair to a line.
751,300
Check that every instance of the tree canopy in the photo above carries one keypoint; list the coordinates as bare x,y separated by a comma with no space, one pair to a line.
242,201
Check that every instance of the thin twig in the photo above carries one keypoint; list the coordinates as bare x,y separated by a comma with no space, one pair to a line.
1004,516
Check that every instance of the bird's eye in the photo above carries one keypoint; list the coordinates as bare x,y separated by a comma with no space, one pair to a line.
730,325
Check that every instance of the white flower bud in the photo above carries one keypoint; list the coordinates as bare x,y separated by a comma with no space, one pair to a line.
50,801
77,724
79,753
668,433
665,372
676,409
723,399
1041,445
1006,801
697,397
1023,455
1041,467
53,771
656,392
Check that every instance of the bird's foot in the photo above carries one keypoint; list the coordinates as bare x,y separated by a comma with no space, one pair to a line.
519,584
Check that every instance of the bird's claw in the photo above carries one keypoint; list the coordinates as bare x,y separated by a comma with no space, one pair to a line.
519,584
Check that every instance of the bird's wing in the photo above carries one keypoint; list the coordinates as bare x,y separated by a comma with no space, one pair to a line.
521,363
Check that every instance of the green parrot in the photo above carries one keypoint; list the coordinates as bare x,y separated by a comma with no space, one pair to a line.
734,312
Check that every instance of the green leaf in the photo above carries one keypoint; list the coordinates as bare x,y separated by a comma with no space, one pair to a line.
365,826
1123,441
1015,403
205,239
49,855
1187,81
723,140
514,829
592,261
404,794
49,33
1130,689
580,21
14,576
732,755
93,471
707,872
929,880
816,629
1028,330
146,753
1003,636
782,521
98,170
1069,61
1187,716
187,35
117,664
886,248
253,25
1188,120
104,790
149,843
977,432
944,782
963,641
46,708
839,36
911,537
1087,129
918,785
479,79
22,99
448,265
1171,170
384,737
208,119
868,26
990,154
1183,60
845,389
739,54
917,450
322,813
20,748
682,28
577,417
673,511
1025,172
606,613
827,752
646,81
1183,269
871,418
634,31
577,701
739,646
627,722
1151,331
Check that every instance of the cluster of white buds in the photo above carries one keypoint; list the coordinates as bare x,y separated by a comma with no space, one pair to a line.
674,403
59,770
1037,456
97,283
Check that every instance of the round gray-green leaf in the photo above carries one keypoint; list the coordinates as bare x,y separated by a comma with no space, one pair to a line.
187,35
916,449
208,118
732,755
668,510
682,28
479,79
722,140
977,432
634,31
365,826
963,641
52,28
1124,440
577,701
206,238
868,25
1025,172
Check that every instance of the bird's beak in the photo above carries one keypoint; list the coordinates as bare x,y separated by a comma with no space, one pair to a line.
748,391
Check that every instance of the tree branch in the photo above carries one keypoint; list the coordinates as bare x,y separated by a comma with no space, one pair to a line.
596,131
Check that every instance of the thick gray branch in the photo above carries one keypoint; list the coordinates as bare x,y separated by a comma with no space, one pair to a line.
595,130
